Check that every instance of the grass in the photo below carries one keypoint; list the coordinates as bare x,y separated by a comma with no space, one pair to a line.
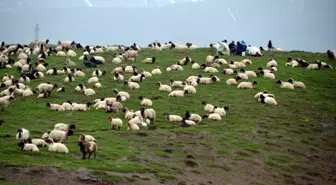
279,138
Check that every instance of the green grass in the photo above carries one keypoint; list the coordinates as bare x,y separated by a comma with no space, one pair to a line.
279,137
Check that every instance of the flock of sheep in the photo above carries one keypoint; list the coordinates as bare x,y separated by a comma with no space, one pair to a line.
12,87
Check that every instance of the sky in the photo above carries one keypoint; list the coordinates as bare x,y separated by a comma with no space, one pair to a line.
307,25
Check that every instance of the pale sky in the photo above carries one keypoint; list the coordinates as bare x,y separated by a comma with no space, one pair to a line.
291,24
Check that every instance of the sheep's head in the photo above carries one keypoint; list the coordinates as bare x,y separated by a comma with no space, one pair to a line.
110,118
21,145
72,126
279,82
205,116
290,81
226,108
70,132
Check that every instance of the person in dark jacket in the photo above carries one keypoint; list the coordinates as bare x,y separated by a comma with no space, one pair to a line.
270,45
240,48
232,48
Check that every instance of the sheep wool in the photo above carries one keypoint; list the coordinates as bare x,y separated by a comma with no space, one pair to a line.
22,134
60,136
173,118
28,147
116,123
208,107
58,148
247,85
178,93
156,71
132,85
285,85
213,116
267,100
39,142
145,101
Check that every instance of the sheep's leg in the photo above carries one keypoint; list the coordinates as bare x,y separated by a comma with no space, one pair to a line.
90,153
119,127
112,127
151,121
3,109
94,154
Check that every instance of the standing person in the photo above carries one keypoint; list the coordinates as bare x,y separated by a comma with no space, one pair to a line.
240,48
270,45
232,48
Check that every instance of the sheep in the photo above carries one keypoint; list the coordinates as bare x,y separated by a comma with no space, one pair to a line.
115,122
206,80
45,136
331,55
131,54
70,63
67,105
128,114
249,73
209,69
246,61
5,101
88,148
131,69
28,147
176,83
38,142
56,147
149,60
61,54
194,117
257,96
118,77
22,134
228,71
208,107
192,78
178,93
187,123
239,64
273,69
69,78
173,118
61,89
97,85
297,84
210,59
145,101
148,114
314,66
55,107
89,92
220,110
213,116
8,91
133,126
93,80
285,85
80,87
195,65
87,138
267,75
265,70
272,62
156,71
60,136
132,85
164,88
46,88
189,88
136,78
233,81
28,92
247,85
7,77
119,69
24,79
232,65
242,75
78,73
26,68
184,61
41,67
174,67
81,107
146,73
98,72
267,100
64,127
291,62
122,93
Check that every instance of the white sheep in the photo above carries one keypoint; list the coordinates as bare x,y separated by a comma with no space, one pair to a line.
64,127
145,101
213,116
156,71
56,147
28,147
116,123
178,93
285,85
5,101
81,107
55,107
22,134
132,85
60,136
247,85
173,118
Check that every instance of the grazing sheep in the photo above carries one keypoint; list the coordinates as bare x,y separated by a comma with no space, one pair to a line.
194,117
206,80
119,69
285,85
195,65
148,114
5,101
115,122
209,69
156,71
208,107
122,93
213,116
38,142
221,110
174,67
56,147
136,77
184,61
89,92
78,73
314,66
132,85
118,77
69,78
46,88
131,69
178,93
67,105
247,85
55,107
267,100
98,73
88,148
149,60
60,136
189,88
81,107
128,114
64,127
145,101
22,134
233,81
176,83
242,75
28,147
267,75
229,72
249,73
93,80
173,118
297,84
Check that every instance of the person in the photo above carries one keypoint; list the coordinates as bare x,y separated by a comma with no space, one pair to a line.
240,48
244,44
270,45
223,49
232,48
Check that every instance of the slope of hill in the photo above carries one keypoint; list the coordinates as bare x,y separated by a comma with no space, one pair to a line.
291,143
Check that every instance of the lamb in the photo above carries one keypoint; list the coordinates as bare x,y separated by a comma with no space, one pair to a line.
64,127
56,147
5,101
115,122
46,88
28,147
297,84
88,148
213,116
208,107
267,100
60,136
93,80
22,135
184,61
136,77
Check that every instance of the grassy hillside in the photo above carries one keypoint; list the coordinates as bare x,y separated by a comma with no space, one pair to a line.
291,143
